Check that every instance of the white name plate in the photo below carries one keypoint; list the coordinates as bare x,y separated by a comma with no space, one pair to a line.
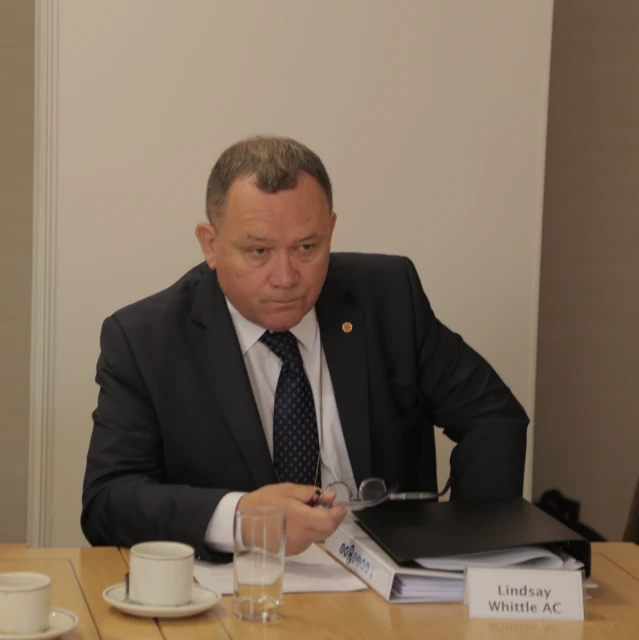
530,594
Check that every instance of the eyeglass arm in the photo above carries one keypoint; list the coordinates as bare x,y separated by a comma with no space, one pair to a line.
421,495
414,495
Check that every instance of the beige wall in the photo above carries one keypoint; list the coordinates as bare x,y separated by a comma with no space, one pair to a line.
16,187
587,425
430,117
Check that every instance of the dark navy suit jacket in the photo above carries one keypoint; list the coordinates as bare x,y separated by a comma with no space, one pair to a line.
176,426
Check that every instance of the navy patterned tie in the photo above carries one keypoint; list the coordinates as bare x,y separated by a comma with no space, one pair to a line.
295,439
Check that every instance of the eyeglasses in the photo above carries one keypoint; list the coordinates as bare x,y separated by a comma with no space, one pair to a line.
373,491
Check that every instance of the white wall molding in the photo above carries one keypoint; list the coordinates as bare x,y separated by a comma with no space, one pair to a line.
40,510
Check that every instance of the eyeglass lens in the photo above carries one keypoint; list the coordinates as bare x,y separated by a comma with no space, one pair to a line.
341,489
372,489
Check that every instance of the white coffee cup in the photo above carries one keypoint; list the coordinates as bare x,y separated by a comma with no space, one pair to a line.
161,573
25,600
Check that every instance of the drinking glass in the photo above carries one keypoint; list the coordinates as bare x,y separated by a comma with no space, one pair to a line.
258,563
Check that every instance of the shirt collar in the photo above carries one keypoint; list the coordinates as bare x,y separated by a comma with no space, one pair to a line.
248,333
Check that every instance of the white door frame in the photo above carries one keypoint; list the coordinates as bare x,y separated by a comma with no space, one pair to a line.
39,507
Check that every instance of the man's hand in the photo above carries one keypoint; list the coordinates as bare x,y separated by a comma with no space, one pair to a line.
304,524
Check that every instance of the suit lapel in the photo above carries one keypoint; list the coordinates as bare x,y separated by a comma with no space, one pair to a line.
218,351
346,357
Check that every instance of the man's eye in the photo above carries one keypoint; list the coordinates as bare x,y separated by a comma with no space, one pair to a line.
305,248
258,251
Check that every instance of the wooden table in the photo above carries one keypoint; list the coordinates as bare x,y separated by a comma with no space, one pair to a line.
80,575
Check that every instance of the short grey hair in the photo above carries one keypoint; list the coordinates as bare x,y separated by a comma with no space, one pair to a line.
273,162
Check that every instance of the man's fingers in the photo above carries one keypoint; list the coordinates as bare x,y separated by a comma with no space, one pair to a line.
321,522
306,494
337,514
302,492
304,524
327,497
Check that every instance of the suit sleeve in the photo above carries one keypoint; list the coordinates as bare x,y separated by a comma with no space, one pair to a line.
125,496
467,398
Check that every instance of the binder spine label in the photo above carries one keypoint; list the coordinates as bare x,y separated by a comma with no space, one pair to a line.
364,563
356,558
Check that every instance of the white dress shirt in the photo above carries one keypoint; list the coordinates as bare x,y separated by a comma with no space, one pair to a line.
263,368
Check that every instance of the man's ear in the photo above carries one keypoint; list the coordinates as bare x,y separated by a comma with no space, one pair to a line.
206,235
332,227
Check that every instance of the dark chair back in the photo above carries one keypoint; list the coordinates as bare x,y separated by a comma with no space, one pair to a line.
631,533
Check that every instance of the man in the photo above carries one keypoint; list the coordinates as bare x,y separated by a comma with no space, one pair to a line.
275,366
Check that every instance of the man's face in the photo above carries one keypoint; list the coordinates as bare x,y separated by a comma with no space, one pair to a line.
271,251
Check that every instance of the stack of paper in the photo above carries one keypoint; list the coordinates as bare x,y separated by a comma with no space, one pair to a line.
525,557
452,587
311,571
429,589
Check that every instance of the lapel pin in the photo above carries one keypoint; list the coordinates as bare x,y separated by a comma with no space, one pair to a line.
347,327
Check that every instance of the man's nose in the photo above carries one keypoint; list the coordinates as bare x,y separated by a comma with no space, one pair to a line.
284,274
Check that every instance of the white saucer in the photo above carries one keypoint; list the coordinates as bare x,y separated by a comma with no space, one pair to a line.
203,599
60,622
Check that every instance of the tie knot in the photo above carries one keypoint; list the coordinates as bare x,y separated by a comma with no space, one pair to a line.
284,345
